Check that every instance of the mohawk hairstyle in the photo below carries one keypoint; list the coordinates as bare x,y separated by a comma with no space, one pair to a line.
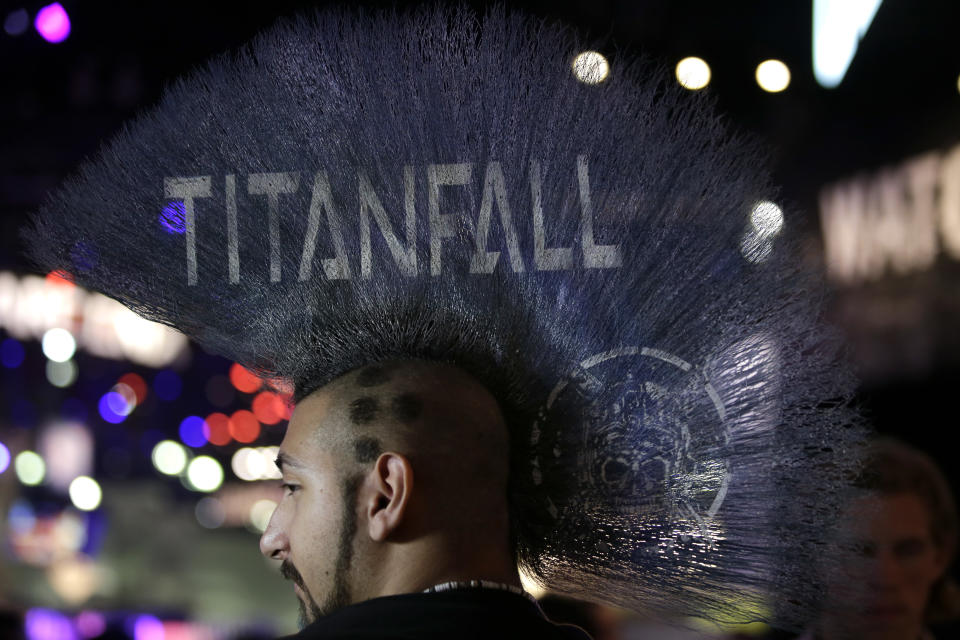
357,187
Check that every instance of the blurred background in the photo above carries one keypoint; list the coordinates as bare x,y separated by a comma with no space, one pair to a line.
136,470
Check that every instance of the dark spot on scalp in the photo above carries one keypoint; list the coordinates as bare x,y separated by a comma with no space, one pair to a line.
373,376
406,407
363,410
366,449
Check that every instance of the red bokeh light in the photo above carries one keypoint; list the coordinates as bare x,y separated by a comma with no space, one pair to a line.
287,399
269,408
136,383
243,380
60,277
244,426
216,428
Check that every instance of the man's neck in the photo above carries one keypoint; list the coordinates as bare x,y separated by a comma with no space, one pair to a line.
417,567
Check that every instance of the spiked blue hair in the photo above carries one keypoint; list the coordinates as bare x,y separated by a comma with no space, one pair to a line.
352,188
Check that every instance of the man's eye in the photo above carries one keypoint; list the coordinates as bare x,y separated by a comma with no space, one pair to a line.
287,487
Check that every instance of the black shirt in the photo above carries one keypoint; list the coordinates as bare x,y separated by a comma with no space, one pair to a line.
461,614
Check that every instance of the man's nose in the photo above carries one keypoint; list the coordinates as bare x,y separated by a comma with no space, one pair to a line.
273,542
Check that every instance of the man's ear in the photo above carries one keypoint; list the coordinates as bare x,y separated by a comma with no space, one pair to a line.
387,492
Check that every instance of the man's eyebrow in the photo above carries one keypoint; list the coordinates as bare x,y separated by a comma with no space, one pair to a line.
285,459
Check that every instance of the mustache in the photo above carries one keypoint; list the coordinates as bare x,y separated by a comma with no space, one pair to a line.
288,571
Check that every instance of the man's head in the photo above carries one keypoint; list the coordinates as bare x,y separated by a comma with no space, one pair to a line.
902,534
392,475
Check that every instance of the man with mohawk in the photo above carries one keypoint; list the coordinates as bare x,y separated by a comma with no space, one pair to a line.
525,317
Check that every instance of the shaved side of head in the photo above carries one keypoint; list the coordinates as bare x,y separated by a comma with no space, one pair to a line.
439,417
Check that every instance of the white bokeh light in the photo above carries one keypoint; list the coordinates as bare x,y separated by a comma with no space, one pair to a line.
204,474
591,67
773,76
260,514
61,374
756,248
85,493
766,218
693,73
30,468
58,344
169,457
210,513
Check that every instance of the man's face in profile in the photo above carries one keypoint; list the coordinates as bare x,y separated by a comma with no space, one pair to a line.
313,527
881,589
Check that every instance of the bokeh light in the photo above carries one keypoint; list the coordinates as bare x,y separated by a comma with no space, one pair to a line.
693,73
773,76
46,624
260,514
29,467
12,353
167,385
243,380
90,623
268,407
21,518
169,457
85,493
58,345
216,429
53,23
591,67
84,256
256,463
210,513
173,217
60,278
137,384
248,464
67,448
129,398
16,22
4,457
244,426
113,407
147,627
192,430
61,374
766,218
204,474
755,247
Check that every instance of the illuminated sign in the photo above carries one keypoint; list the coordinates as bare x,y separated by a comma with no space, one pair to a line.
838,27
31,305
896,221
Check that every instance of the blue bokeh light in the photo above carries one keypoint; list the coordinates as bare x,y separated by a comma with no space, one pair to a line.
191,432
173,217
16,22
4,457
107,402
83,256
12,353
167,385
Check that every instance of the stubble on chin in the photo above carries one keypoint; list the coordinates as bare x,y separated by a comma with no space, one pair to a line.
340,595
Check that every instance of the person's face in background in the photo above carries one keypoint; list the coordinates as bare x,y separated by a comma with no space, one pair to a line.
881,590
